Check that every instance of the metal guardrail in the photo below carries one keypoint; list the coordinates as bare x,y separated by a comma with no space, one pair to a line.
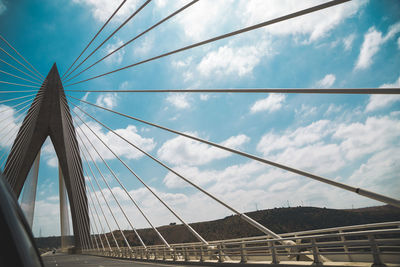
377,243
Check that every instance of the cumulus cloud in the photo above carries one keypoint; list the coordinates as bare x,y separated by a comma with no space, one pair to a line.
360,139
272,103
381,101
10,121
237,61
117,57
348,42
314,26
327,81
102,9
324,146
373,40
184,151
119,146
309,134
180,101
108,100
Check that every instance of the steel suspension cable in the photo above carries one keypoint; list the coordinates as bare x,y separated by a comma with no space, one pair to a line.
8,100
9,74
137,36
121,185
101,174
19,91
359,191
101,29
15,50
93,218
98,203
241,215
197,235
16,112
18,84
9,124
71,130
12,107
126,191
23,131
9,142
81,185
32,113
369,91
4,51
12,66
111,35
15,158
247,29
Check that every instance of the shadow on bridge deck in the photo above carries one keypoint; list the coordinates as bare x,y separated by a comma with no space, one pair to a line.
78,260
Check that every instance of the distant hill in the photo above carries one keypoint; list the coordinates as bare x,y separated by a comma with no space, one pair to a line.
279,220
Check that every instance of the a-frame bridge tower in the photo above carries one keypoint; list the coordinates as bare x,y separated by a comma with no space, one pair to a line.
49,115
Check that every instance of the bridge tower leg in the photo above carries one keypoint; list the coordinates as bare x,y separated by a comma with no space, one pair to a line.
49,115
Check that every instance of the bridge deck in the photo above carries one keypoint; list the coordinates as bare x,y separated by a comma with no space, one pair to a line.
65,260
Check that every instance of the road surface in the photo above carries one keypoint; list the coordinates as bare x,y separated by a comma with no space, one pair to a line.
65,260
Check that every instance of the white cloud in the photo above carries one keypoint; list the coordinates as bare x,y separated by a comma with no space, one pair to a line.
184,151
108,100
102,9
381,101
379,171
204,19
237,61
327,81
272,103
119,146
325,146
204,97
360,139
348,42
143,47
305,111
180,101
371,45
373,40
316,25
3,7
49,154
302,136
10,121
117,57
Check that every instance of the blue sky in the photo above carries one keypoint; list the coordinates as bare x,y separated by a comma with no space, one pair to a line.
349,138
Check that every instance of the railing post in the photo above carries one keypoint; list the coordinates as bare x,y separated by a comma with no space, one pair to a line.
174,251
201,253
147,254
345,248
185,253
155,253
273,252
243,253
315,251
164,254
220,256
375,252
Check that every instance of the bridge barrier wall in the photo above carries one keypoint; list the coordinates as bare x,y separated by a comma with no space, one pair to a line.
378,244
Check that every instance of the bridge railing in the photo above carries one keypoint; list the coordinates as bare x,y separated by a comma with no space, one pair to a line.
370,243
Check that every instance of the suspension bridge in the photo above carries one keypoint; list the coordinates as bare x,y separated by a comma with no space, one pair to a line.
47,109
